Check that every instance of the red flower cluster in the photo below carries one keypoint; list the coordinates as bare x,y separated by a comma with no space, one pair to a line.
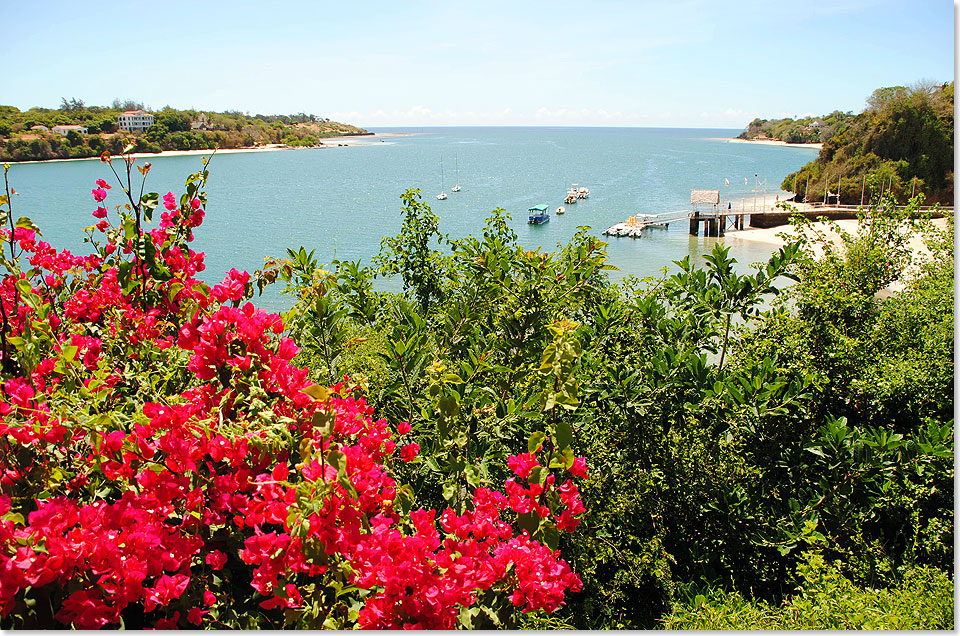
158,447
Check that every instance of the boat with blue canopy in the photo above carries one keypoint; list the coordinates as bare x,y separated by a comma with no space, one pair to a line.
538,214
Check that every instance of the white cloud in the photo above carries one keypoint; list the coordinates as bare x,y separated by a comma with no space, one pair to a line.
728,118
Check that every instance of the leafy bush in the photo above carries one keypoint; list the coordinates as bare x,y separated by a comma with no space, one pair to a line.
922,598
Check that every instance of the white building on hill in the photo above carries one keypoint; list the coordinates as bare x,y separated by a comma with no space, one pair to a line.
63,129
134,120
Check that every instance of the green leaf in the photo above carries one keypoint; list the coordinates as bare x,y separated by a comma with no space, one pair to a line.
149,201
324,422
448,406
317,392
529,521
550,536
338,460
535,440
26,223
564,434
450,491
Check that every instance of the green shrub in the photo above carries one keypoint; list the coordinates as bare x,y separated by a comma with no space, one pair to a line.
921,599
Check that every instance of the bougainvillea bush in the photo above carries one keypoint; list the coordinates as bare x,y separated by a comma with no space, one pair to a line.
165,465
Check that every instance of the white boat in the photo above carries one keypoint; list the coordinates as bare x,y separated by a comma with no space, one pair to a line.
456,188
442,195
651,220
561,210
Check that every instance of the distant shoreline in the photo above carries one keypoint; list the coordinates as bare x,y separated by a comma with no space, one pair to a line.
326,142
770,142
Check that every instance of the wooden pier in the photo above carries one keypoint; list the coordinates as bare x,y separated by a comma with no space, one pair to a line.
715,224
716,221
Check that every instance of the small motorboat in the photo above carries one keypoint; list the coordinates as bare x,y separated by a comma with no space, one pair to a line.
561,210
538,214
442,196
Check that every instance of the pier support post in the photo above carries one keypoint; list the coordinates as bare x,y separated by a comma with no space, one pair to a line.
722,226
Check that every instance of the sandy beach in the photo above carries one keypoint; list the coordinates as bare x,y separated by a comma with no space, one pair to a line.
771,142
776,235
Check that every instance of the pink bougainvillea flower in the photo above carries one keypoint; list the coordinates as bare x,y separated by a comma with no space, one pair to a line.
216,559
579,468
409,452
522,464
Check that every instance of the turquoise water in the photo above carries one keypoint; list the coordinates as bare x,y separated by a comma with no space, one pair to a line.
341,201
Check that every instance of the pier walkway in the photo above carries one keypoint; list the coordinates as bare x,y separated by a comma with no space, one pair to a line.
717,222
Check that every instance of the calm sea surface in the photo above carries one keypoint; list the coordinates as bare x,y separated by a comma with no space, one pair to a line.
341,201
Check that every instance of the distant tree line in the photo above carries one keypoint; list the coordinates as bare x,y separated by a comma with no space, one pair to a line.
172,130
804,130
902,144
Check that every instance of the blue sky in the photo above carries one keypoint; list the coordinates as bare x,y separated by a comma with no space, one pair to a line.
683,63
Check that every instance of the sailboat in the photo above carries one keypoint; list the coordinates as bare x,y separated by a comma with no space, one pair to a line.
456,188
442,195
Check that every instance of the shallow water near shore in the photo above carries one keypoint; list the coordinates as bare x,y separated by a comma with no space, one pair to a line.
341,201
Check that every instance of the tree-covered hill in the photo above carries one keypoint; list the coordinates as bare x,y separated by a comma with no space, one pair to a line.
803,130
902,143
172,130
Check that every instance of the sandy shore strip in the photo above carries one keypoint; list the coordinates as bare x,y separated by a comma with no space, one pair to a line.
768,142
777,237
326,142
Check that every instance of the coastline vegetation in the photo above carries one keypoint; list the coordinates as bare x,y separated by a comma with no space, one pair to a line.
901,143
802,130
173,129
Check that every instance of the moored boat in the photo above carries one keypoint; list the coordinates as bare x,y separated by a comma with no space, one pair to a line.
538,214
442,195
456,188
